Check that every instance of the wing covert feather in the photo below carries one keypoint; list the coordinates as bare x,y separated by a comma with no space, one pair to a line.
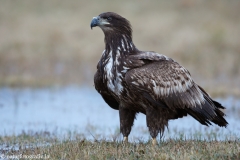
166,81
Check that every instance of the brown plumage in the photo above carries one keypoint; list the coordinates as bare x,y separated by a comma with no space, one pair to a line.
134,81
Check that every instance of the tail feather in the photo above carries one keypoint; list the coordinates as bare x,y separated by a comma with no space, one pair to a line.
218,105
219,120
205,115
209,111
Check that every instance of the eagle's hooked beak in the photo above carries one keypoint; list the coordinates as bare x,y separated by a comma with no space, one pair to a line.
95,22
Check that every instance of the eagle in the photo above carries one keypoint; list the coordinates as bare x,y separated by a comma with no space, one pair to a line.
134,81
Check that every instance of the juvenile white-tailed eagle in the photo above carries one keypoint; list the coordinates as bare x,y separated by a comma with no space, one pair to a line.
134,81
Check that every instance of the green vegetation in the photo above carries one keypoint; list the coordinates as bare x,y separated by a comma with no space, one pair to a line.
49,146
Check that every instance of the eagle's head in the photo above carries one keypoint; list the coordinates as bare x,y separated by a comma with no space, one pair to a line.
112,22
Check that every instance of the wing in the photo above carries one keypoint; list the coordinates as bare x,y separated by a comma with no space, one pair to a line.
142,58
165,83
103,90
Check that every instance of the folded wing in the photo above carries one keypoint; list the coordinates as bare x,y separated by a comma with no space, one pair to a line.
165,83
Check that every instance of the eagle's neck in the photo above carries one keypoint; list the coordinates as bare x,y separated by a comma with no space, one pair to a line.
112,63
119,42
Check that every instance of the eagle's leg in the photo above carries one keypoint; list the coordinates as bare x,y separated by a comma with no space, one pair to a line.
152,123
125,139
154,141
126,121
155,123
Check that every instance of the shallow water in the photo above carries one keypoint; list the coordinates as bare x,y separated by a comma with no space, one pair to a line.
61,111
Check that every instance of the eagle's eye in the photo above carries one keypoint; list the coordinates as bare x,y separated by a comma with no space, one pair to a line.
109,18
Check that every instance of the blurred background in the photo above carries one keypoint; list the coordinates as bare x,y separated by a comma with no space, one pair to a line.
49,44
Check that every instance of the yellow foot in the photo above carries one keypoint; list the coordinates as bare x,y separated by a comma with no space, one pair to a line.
154,142
125,139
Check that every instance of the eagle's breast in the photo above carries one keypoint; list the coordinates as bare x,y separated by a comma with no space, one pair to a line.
114,71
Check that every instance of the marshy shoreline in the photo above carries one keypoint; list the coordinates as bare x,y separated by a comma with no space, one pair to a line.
84,149
74,123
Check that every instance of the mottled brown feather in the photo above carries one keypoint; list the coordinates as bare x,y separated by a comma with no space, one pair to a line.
134,81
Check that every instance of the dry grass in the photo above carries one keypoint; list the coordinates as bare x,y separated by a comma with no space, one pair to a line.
50,42
82,149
